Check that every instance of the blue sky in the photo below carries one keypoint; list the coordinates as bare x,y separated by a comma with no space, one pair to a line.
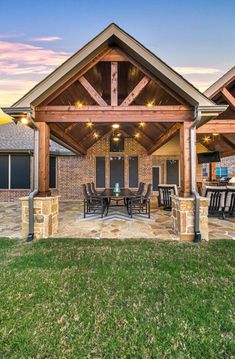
195,37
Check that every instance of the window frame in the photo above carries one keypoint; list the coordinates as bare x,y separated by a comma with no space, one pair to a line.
160,175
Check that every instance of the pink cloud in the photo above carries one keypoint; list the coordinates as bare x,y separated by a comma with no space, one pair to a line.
22,66
46,38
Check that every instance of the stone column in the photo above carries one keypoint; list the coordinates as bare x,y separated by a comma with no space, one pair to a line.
183,217
46,210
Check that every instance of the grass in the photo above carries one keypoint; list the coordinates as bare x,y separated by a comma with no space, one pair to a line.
71,298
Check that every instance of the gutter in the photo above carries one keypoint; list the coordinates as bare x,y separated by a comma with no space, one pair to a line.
197,233
32,194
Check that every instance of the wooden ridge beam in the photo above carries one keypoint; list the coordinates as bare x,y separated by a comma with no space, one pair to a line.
228,97
165,138
58,132
92,91
136,91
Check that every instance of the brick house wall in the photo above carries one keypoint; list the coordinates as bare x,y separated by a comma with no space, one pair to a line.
73,171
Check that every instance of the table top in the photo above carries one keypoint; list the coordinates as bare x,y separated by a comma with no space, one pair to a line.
124,193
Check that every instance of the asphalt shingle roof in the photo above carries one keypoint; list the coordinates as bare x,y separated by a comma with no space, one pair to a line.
20,137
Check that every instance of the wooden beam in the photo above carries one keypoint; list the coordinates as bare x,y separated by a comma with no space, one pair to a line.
152,77
92,92
228,142
44,155
165,138
114,83
58,132
218,126
70,127
113,114
136,91
76,76
228,97
185,181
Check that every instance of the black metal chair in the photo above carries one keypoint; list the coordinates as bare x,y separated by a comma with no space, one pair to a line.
93,189
89,190
165,193
92,204
229,208
217,197
140,204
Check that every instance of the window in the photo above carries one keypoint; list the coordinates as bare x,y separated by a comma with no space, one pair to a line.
20,171
52,172
156,177
133,172
172,172
100,172
116,146
15,171
4,171
221,171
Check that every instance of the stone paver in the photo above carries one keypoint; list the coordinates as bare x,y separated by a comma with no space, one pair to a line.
116,225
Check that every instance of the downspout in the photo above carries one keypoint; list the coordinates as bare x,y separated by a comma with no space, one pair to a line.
35,179
197,233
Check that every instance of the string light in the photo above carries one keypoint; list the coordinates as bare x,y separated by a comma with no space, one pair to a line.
206,139
79,104
96,135
150,104
142,124
137,135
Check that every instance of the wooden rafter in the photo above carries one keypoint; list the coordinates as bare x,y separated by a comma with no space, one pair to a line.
58,132
114,83
70,127
136,91
114,55
113,114
165,138
76,76
228,142
92,92
228,97
161,127
157,81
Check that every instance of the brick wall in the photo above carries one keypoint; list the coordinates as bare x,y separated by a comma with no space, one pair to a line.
73,171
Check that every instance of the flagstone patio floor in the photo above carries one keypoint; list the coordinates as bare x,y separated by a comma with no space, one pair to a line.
116,225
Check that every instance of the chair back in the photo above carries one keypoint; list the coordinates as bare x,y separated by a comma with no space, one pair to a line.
230,200
165,193
217,197
84,191
148,192
93,188
140,189
89,190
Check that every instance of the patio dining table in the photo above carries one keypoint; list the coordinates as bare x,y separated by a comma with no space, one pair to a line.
109,194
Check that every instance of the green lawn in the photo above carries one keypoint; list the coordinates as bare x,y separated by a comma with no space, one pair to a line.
70,298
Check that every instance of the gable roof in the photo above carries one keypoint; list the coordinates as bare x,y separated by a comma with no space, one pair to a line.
221,82
114,36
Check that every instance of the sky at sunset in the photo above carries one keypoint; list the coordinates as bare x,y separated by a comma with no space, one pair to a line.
194,37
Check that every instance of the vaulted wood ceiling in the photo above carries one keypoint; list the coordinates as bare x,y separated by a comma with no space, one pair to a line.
114,75
84,134
223,141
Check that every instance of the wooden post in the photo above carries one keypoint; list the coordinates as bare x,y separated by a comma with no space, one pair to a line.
185,160
114,83
44,156
212,171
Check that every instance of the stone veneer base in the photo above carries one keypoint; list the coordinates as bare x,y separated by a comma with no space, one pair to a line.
46,210
183,217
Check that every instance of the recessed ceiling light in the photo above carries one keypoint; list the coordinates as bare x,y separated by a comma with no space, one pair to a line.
115,125
24,120
89,124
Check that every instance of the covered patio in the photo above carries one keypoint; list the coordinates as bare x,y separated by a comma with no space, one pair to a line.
115,104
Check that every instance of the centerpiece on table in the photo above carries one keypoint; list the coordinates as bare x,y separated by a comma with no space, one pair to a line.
116,189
